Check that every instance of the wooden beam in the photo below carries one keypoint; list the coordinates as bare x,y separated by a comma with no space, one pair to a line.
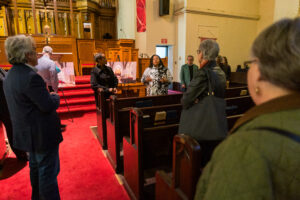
16,16
7,22
34,17
56,18
72,18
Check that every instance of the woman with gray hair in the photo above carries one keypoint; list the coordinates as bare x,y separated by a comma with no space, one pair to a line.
260,160
208,73
198,88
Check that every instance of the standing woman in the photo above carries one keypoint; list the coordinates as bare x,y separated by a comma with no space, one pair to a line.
156,77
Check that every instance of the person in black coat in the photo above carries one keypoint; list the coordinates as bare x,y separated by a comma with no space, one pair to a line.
36,124
103,77
198,87
5,118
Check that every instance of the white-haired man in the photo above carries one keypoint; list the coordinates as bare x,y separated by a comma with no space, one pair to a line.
47,69
36,125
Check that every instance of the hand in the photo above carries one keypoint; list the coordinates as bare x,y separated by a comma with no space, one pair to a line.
114,90
148,79
183,85
100,89
53,93
163,80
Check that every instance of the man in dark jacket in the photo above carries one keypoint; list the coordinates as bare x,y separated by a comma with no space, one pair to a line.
35,122
103,78
5,118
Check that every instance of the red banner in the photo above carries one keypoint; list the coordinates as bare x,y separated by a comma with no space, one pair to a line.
141,15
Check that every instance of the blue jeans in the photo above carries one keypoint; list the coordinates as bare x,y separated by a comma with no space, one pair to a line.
44,168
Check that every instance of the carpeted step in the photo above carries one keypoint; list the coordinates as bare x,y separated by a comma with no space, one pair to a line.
77,87
77,101
76,93
82,80
77,108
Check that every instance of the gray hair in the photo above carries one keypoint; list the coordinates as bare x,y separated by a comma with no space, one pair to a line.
98,56
16,48
47,49
210,49
278,51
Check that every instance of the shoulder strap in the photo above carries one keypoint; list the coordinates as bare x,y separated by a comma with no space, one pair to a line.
210,89
285,133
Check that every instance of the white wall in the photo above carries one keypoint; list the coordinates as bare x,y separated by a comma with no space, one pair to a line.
126,22
285,8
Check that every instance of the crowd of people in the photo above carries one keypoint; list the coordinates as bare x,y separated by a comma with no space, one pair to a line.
258,161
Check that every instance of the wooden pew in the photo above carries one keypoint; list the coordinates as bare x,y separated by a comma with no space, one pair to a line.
118,122
238,105
236,91
149,146
186,170
102,114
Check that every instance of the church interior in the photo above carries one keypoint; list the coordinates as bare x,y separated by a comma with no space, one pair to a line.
126,146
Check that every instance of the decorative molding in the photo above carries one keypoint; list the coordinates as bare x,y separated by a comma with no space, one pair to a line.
217,13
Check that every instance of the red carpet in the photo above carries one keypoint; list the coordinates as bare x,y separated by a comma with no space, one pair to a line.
80,98
85,173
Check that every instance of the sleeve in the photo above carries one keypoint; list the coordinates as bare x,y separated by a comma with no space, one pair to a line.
169,76
182,75
145,74
236,171
40,96
94,84
116,81
54,77
196,88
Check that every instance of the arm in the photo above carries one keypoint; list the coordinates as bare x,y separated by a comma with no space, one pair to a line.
196,88
169,77
145,75
116,81
182,76
54,77
40,96
236,171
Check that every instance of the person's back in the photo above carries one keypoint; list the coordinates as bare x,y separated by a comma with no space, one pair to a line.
17,86
46,68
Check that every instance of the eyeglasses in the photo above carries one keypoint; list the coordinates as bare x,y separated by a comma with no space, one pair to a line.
250,61
198,51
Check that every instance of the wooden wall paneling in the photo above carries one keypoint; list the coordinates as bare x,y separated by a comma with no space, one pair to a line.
125,54
86,49
34,16
114,54
135,58
3,61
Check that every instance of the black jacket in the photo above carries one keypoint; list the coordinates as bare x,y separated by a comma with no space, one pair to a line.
3,104
103,78
198,87
32,109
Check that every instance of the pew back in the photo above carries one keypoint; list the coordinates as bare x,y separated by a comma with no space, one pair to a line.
186,171
118,121
149,145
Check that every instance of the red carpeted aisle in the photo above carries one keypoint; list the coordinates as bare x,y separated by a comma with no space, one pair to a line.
85,172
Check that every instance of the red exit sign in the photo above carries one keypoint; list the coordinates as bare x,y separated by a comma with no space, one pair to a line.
164,40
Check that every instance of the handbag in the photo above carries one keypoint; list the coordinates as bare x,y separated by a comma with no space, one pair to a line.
205,120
